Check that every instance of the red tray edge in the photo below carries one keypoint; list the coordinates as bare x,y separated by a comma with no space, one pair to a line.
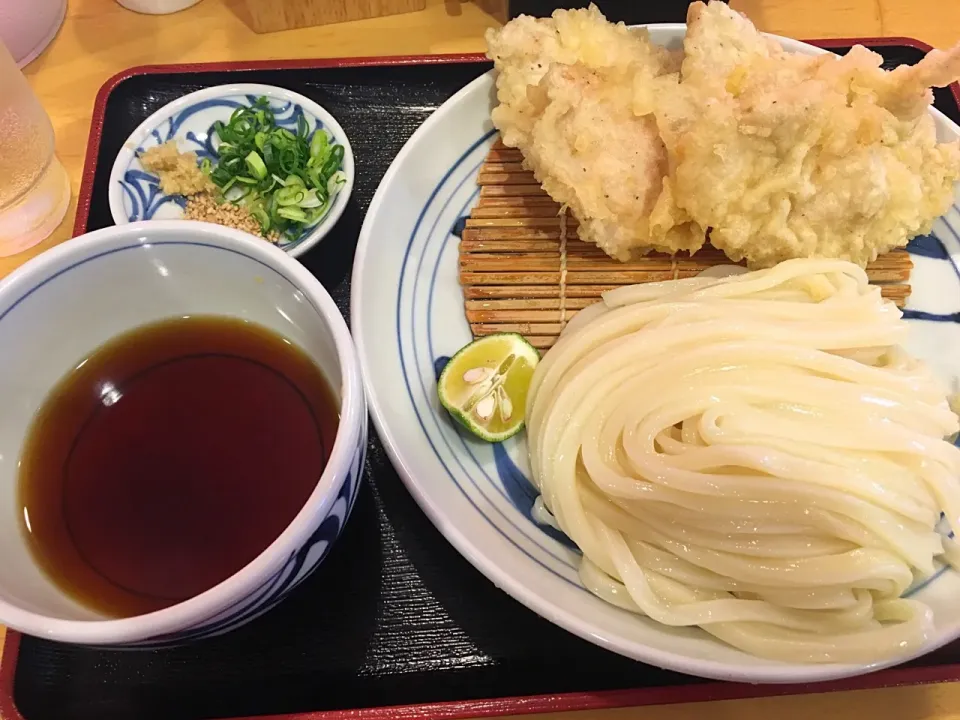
561,702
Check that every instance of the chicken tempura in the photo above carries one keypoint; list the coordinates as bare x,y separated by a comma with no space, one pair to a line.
785,155
780,155
565,91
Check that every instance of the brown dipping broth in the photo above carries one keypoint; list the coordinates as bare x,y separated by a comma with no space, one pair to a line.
170,458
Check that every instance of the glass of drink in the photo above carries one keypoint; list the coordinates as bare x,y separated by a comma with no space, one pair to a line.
34,188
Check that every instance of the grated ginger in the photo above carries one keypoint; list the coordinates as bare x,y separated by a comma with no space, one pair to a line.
178,172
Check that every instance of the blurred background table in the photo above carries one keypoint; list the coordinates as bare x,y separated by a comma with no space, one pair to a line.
99,38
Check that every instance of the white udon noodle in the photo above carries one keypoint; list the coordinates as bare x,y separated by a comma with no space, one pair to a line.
754,455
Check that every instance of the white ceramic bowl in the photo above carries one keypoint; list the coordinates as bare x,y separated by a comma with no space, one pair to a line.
408,317
135,194
68,301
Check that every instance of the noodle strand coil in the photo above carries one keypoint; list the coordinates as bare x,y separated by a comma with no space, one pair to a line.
755,455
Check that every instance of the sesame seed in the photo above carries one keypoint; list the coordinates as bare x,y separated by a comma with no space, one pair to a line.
205,208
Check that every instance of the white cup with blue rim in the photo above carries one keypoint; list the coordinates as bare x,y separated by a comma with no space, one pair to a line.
70,300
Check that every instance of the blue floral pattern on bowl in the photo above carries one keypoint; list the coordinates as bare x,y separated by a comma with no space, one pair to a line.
135,194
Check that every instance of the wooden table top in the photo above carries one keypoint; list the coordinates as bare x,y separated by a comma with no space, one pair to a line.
99,38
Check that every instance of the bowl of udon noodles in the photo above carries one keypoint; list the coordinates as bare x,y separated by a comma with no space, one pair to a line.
748,476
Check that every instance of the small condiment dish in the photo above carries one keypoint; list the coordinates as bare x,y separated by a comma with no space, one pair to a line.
135,194
67,302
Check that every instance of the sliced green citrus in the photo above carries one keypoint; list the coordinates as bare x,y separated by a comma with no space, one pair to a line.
485,385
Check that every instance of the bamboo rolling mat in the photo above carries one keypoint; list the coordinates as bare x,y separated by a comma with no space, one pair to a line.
523,269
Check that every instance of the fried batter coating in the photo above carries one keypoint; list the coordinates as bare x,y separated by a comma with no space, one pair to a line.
780,155
565,86
788,156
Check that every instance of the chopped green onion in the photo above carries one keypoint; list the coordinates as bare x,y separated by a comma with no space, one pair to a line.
292,213
261,215
290,196
311,199
318,143
287,177
255,163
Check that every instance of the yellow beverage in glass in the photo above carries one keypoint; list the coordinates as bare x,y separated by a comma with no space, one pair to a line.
34,188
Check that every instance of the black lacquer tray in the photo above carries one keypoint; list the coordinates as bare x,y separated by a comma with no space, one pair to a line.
395,623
